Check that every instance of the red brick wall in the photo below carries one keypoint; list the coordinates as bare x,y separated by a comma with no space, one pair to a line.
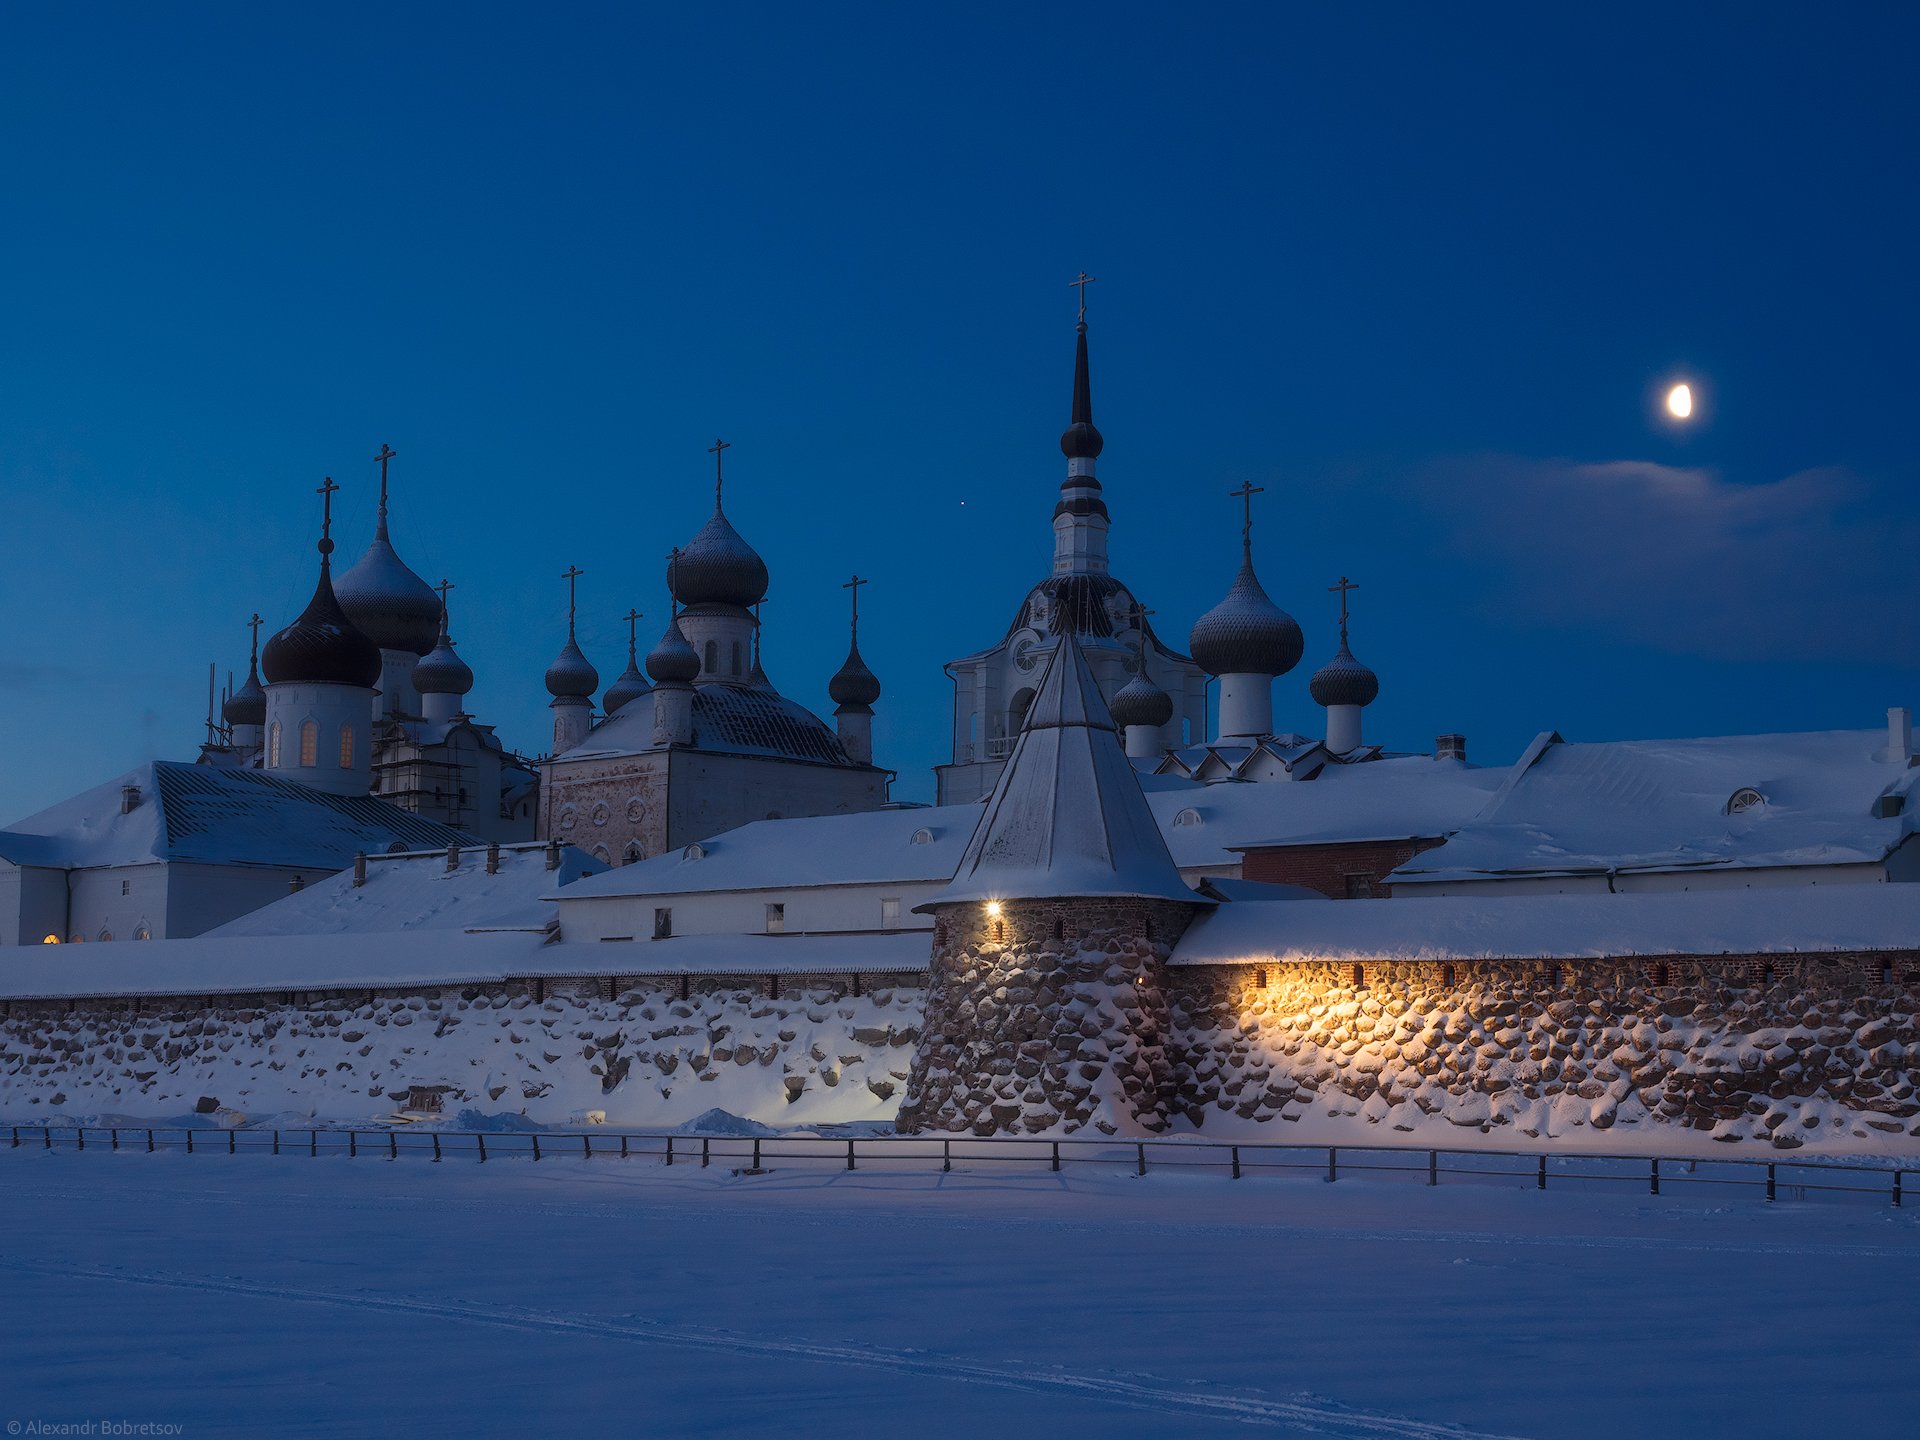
1326,868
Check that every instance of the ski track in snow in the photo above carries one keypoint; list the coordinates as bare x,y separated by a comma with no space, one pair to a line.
787,1219
1317,1417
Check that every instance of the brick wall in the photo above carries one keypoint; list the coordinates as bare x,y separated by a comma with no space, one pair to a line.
1338,871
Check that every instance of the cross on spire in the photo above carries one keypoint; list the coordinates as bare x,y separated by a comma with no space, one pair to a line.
571,575
715,450
1081,284
254,625
326,493
1343,587
673,599
1245,493
387,452
1140,613
854,585
633,619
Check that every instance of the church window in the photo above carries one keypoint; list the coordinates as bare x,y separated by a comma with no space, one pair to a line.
776,917
890,914
1189,816
601,854
1661,975
922,836
1359,976
346,747
1886,972
713,657
106,934
143,931
1017,711
736,657
600,814
1743,799
309,743
273,746
632,853
50,940
126,887
1446,974
663,923
1361,887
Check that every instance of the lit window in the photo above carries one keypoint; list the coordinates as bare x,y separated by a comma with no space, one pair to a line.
889,914
776,917
631,853
663,923
50,940
106,934
309,744
143,932
273,746
346,747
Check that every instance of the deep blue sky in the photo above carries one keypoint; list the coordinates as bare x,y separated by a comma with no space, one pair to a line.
1420,271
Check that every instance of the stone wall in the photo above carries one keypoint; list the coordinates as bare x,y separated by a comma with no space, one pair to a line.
1781,1050
1052,1017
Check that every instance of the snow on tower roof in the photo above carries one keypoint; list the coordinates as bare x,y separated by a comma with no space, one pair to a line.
1717,802
1068,816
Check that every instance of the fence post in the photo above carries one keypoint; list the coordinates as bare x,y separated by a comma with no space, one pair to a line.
946,1156
149,1142
1769,1180
1056,1155
233,1142
393,1144
1541,1183
586,1145
669,1150
436,1147
1433,1167
756,1152
1141,1151
313,1142
1896,1189
623,1146
16,1137
706,1144
276,1142
1236,1162
483,1148
189,1141
115,1138
353,1144
46,1134
80,1137
1653,1175
536,1146
1332,1153
850,1159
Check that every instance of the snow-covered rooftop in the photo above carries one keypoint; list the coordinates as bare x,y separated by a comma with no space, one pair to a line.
1772,920
418,892
1670,805
727,720
219,817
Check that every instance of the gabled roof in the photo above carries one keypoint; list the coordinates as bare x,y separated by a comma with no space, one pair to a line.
727,720
1667,805
216,816
1067,816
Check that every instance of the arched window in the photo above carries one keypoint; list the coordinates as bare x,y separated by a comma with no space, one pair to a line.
1661,975
346,747
736,657
1017,711
1446,974
106,934
273,746
309,744
1359,976
1744,799
713,657
632,853
143,931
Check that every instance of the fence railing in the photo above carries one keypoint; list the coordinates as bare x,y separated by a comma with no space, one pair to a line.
1793,1179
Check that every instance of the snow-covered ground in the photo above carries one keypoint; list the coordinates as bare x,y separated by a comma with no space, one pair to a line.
257,1295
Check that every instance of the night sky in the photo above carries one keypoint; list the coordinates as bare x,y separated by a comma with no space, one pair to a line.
1422,272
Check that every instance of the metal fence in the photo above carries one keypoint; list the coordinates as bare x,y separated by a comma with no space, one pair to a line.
1789,1179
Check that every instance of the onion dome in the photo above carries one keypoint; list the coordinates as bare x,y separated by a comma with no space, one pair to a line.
1343,680
673,661
440,671
572,675
1081,441
1246,633
1141,702
853,685
322,647
248,704
632,684
717,567
390,604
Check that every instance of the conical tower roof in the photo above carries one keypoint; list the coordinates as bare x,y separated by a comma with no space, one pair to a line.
1068,817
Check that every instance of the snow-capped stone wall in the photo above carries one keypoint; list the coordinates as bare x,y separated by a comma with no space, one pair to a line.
1780,1050
648,1058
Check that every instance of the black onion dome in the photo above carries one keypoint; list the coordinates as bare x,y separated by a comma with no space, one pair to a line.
1141,702
440,671
673,661
1246,633
718,567
1081,441
571,675
629,687
248,704
390,604
322,647
853,684
1343,680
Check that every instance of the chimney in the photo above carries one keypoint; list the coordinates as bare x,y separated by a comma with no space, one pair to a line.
553,854
359,869
1900,735
1450,747
453,858
296,884
129,799
493,857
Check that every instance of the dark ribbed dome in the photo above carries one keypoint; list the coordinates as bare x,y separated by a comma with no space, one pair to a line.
1141,702
322,647
673,661
248,704
440,671
1246,633
853,684
571,675
388,603
629,687
718,567
1343,680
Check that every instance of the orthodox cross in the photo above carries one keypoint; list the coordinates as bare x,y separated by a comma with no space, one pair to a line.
387,452
854,585
1343,587
1140,614
254,625
756,630
633,619
1246,492
443,587
1081,285
571,575
325,492
714,450
673,600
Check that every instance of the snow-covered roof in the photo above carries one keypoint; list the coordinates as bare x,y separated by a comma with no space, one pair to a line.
242,965
874,847
418,892
1067,816
1644,805
216,816
1772,920
727,720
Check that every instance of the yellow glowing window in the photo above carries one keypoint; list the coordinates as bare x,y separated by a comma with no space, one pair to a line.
309,744
346,747
50,940
273,746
